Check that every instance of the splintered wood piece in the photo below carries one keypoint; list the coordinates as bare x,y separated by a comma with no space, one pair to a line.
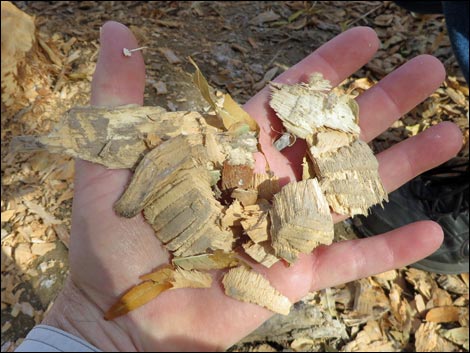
249,286
328,140
255,221
266,185
157,169
246,197
206,262
428,339
300,220
184,215
114,137
233,215
329,123
349,178
305,107
261,252
136,297
190,279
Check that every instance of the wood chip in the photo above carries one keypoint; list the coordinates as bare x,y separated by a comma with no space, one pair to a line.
42,248
263,253
249,286
46,216
185,215
206,262
255,221
350,180
428,339
170,55
246,197
305,107
7,215
300,220
190,279
345,166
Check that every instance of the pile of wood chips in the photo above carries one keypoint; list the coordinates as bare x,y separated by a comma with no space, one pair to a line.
405,309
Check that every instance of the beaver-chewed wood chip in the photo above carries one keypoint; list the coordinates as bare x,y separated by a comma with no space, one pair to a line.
263,253
205,262
249,286
157,169
246,197
114,137
349,178
190,279
304,107
255,221
300,220
184,215
345,166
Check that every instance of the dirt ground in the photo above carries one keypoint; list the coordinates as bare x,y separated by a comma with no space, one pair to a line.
239,46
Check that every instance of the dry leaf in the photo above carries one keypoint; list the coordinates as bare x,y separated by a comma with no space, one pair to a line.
136,297
445,314
229,111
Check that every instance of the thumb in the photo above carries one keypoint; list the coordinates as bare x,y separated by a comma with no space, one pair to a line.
117,80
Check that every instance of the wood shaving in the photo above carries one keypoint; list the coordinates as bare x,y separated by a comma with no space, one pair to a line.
248,286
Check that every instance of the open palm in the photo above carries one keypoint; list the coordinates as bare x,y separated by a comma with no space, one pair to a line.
109,253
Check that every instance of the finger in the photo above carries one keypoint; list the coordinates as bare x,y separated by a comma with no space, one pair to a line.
350,260
408,159
117,80
357,45
398,93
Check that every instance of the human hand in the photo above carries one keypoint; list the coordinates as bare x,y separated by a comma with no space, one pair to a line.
109,253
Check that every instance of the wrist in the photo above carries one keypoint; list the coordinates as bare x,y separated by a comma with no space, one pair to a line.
74,313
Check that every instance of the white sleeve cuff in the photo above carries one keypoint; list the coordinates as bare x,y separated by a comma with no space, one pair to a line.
43,338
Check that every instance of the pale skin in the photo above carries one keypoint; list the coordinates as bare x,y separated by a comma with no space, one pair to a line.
109,253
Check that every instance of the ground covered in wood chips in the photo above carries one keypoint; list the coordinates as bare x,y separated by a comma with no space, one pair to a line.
239,46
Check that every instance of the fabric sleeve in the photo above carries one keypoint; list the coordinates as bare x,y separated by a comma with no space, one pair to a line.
43,338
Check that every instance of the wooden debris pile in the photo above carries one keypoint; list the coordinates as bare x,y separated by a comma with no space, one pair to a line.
182,160
395,311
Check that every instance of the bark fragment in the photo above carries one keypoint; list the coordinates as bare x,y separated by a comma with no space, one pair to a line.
113,137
